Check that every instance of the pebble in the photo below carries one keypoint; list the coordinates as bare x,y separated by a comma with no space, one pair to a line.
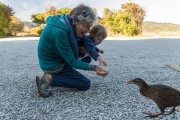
109,98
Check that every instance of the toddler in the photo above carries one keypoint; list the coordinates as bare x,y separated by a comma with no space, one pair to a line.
89,42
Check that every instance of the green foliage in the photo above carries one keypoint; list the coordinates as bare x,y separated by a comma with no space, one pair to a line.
64,10
3,24
120,22
5,17
127,21
38,18
108,17
129,30
136,15
123,24
7,11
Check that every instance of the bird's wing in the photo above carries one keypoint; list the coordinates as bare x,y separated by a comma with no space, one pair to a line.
165,95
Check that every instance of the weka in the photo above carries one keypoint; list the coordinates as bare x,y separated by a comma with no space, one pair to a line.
164,96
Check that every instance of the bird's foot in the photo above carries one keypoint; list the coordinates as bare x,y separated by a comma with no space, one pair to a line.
171,111
152,115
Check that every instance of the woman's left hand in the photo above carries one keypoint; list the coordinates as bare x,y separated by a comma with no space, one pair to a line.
101,72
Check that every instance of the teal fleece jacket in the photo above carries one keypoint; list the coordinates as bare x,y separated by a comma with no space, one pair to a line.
54,46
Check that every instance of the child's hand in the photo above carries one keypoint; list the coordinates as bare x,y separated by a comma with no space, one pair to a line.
101,51
102,61
83,50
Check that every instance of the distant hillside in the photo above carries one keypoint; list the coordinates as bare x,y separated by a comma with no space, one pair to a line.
29,24
150,26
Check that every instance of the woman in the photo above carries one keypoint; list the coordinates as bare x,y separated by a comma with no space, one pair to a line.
58,51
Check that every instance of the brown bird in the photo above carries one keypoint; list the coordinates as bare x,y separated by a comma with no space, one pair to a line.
164,96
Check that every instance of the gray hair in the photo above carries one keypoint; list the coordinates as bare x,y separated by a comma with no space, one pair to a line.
83,13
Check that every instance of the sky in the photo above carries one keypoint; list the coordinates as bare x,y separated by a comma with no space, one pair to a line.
163,11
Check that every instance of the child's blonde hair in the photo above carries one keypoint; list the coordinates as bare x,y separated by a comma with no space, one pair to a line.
98,30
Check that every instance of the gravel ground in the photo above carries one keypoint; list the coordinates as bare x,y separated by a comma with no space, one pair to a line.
109,98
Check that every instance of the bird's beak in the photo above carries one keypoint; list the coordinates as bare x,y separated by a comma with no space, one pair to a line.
130,82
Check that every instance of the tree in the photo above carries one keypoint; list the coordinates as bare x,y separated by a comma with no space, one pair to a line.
64,10
119,22
127,21
38,18
122,24
51,10
15,26
3,23
7,11
108,17
136,17
37,30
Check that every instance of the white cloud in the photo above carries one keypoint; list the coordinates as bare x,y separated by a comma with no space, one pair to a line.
25,15
74,3
25,5
53,3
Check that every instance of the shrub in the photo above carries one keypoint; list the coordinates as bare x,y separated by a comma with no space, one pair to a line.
36,30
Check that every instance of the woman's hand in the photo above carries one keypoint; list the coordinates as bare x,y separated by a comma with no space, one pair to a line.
100,71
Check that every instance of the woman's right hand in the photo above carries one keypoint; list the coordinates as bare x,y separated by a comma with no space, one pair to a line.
100,71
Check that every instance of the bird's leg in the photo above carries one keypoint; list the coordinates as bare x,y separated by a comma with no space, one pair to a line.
171,111
153,115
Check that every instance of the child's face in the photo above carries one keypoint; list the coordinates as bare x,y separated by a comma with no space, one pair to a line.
98,39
